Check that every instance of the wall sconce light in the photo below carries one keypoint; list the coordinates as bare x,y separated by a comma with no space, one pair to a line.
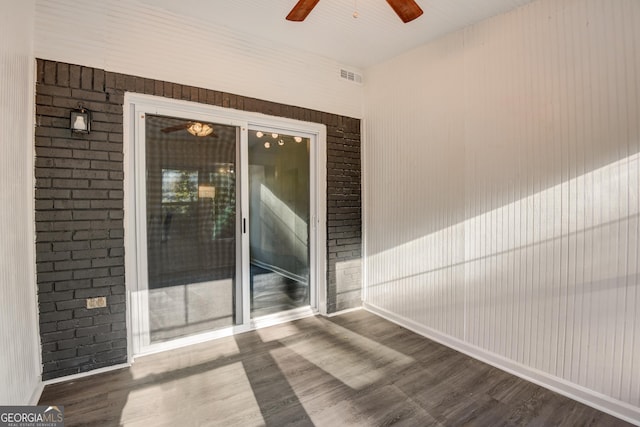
81,120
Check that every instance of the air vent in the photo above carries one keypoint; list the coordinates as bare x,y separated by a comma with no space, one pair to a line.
351,76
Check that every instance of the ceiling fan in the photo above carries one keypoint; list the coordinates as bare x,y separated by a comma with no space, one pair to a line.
407,10
194,128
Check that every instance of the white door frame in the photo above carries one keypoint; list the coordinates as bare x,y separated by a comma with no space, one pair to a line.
135,107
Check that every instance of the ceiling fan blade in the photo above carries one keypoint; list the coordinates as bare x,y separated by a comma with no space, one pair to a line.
301,10
175,128
407,10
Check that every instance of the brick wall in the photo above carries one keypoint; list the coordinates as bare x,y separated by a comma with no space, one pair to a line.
344,215
79,208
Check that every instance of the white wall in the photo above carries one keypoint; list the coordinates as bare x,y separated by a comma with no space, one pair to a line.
502,183
19,340
141,40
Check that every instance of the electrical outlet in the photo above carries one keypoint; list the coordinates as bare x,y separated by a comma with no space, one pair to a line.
97,302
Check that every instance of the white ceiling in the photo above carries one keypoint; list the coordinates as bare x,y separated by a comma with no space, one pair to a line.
331,31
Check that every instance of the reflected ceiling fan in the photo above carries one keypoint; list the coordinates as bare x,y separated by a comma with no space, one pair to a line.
407,10
194,128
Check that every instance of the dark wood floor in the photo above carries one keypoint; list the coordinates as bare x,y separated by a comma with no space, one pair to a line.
353,369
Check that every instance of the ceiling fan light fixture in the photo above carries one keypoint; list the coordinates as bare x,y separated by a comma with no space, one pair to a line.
200,129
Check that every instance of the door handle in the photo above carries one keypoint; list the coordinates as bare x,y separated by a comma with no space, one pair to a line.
244,225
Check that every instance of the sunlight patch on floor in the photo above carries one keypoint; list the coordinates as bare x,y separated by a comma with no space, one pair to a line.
218,394
185,357
351,358
278,332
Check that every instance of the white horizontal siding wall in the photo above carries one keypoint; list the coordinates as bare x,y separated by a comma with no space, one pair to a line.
141,40
502,184
19,340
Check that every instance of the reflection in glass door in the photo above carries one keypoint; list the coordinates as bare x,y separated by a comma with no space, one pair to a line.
279,206
191,226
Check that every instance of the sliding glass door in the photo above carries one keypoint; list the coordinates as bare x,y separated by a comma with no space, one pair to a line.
279,207
191,220
223,223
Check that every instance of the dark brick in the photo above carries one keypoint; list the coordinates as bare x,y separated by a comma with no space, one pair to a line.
91,174
91,253
70,183
74,342
92,330
44,172
112,336
54,296
90,155
108,319
63,75
90,194
74,74
90,274
119,326
55,316
49,347
93,349
72,265
75,323
90,234
71,304
86,79
70,143
52,256
118,308
121,343
53,277
70,246
117,355
73,365
105,184
46,307
118,290
90,215
90,293
58,355
106,165
108,281
72,163
54,91
48,327
98,80
85,312
107,262
57,336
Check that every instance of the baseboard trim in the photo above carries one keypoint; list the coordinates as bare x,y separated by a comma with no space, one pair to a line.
573,391
37,392
341,312
85,374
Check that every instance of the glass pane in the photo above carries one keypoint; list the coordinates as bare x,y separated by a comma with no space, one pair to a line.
279,221
191,223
